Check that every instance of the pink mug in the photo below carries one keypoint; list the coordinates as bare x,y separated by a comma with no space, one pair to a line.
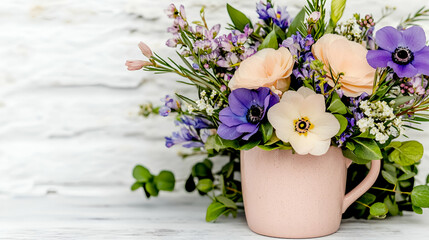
298,196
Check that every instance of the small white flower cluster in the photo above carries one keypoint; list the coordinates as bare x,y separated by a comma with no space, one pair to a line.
350,29
379,120
206,103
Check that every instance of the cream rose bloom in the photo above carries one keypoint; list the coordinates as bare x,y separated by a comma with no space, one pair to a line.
348,57
267,68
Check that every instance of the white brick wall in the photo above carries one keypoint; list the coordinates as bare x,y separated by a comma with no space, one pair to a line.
68,107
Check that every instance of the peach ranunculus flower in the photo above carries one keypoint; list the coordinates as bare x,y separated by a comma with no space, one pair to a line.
344,56
267,68
300,118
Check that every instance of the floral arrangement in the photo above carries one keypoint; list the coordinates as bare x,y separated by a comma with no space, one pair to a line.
303,84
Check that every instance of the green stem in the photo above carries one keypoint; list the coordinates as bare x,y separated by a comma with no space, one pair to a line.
363,204
390,190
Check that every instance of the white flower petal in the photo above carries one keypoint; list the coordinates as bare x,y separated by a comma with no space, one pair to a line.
282,116
302,144
306,92
325,126
292,97
313,106
321,147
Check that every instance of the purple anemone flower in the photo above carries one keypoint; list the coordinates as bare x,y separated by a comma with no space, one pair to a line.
404,51
247,108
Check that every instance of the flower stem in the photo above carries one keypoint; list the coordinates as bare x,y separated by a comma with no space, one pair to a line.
390,190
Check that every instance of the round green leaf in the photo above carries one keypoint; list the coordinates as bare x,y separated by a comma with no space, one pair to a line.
136,186
201,170
391,179
151,189
190,184
367,149
165,181
227,202
420,196
378,209
205,185
214,211
141,174
417,210
343,123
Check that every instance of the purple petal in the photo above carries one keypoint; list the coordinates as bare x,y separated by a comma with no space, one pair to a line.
403,70
227,117
247,136
414,38
421,61
263,92
228,133
247,127
239,101
378,58
388,38
274,99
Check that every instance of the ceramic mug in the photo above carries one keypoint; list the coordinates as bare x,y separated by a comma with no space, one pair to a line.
298,196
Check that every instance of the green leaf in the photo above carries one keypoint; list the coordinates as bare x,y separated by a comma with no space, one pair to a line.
402,100
407,154
350,155
151,189
337,10
136,186
165,181
227,202
343,123
270,41
267,131
208,163
205,185
223,143
238,18
228,169
367,198
392,206
211,143
427,179
201,170
378,209
214,211
367,149
250,145
391,179
406,176
190,184
280,33
337,106
141,174
417,210
420,196
297,23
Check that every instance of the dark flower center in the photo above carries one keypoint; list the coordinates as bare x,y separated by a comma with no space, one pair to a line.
302,125
255,113
402,56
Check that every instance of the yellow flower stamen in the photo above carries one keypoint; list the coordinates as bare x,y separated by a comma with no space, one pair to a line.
303,125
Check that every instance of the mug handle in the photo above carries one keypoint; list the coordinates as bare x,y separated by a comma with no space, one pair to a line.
366,184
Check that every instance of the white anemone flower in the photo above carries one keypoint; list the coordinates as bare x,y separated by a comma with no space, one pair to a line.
300,118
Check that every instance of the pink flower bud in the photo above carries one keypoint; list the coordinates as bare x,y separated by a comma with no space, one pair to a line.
314,16
134,65
145,50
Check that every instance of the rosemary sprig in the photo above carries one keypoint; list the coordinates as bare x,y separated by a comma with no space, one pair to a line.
421,15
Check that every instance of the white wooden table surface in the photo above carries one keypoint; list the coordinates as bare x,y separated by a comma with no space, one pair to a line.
178,215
